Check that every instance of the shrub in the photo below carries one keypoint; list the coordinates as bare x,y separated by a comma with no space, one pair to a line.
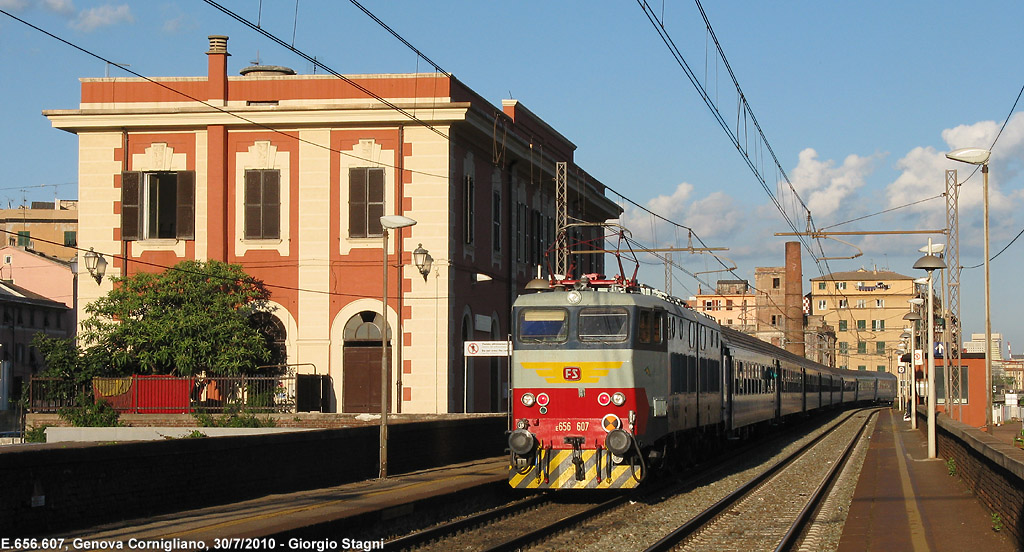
36,434
88,412
234,416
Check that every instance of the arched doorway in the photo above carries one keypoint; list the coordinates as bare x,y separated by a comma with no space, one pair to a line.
361,363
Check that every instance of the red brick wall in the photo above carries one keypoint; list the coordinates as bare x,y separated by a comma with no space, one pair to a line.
992,469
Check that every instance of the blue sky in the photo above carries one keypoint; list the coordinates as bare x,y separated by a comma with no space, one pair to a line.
858,100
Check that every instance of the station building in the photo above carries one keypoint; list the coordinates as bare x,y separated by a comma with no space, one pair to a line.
287,175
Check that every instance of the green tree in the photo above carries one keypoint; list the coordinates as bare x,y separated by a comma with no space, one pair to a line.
196,316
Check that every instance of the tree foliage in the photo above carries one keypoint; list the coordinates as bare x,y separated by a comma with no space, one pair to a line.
193,317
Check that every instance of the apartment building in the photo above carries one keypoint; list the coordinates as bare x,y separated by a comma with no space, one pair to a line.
866,308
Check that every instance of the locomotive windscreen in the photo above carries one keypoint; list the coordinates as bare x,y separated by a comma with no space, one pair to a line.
607,324
543,325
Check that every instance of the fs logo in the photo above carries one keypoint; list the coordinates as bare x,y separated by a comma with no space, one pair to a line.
571,373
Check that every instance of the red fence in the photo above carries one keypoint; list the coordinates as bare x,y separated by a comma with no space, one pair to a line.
172,395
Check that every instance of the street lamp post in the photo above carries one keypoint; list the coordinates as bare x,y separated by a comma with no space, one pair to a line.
387,222
931,263
979,156
913,317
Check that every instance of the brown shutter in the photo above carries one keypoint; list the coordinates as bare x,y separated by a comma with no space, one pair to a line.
357,203
253,205
374,202
131,188
271,204
185,222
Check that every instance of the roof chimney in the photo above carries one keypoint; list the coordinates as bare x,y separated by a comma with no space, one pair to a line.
217,58
218,44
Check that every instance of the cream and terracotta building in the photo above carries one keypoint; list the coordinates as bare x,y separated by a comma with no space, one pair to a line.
866,309
287,175
50,228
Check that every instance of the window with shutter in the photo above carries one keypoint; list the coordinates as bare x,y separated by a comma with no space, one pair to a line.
365,202
262,204
158,205
131,200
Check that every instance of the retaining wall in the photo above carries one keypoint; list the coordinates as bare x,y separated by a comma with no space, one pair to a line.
992,468
61,486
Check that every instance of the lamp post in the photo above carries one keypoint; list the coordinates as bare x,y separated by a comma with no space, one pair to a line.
904,402
95,264
931,263
914,317
979,156
387,222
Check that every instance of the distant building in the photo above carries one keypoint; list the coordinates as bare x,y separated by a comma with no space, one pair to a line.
23,314
46,227
46,276
977,345
866,308
732,304
770,283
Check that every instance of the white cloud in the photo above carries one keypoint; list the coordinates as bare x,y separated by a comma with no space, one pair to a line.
103,16
176,20
13,5
714,215
825,187
63,7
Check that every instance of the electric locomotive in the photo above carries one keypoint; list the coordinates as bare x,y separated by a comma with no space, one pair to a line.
609,377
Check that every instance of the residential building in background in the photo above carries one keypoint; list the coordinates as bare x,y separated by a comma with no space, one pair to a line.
50,228
288,175
770,286
732,304
866,308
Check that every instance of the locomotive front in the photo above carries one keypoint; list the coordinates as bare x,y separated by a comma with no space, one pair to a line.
577,411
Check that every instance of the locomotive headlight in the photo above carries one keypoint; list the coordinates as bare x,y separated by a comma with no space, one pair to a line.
543,399
618,442
604,399
521,442
528,399
619,398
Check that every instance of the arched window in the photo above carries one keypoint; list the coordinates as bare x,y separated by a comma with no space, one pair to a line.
275,336
363,330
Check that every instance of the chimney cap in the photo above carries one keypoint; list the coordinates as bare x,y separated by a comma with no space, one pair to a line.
218,44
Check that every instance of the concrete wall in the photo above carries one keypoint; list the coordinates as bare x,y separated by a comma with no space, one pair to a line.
118,434
58,487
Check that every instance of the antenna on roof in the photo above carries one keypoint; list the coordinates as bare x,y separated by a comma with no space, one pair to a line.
257,60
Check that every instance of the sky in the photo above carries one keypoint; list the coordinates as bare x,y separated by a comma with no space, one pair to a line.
858,101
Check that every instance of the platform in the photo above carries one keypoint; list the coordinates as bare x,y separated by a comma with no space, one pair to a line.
307,513
905,501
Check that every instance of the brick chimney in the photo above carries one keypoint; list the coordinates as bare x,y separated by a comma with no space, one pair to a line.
217,58
794,304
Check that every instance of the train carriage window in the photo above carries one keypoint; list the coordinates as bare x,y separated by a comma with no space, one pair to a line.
643,331
703,338
692,333
604,324
543,325
657,326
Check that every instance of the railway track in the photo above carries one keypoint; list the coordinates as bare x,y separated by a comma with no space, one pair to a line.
535,520
771,510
